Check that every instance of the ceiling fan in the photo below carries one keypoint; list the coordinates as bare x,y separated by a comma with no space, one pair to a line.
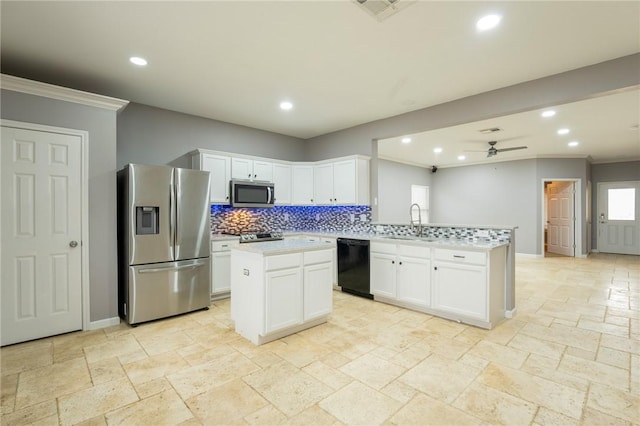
492,151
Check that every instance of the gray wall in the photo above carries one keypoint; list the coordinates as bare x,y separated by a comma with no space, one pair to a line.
499,194
394,189
101,125
610,172
151,135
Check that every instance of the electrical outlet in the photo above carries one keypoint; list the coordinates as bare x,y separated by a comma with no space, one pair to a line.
286,217
317,216
482,233
363,217
379,228
352,217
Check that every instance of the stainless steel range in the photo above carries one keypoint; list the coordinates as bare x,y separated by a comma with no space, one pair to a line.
256,238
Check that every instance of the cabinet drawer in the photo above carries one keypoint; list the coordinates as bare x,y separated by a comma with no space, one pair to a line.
462,256
414,251
223,245
282,261
318,256
383,248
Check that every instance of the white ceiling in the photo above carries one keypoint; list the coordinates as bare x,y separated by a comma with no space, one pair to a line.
236,60
606,129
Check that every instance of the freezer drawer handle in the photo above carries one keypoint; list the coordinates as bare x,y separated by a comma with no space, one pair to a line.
170,268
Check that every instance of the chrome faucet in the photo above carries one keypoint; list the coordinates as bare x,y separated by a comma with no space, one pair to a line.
412,222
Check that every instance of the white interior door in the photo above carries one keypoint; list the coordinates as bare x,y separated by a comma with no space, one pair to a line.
561,218
40,234
619,217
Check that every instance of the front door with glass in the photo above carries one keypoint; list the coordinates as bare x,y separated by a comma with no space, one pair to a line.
619,217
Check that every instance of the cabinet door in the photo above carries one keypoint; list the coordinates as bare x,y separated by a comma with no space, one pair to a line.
460,289
318,290
413,281
282,183
219,168
283,299
302,185
344,182
220,272
323,184
262,171
383,274
241,168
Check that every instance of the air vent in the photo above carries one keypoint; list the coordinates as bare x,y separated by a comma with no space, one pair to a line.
490,130
382,9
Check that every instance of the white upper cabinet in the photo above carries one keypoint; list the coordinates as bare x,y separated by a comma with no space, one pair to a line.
341,181
344,182
302,188
282,183
219,168
323,184
248,169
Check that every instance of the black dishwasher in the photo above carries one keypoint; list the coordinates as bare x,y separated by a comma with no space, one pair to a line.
353,266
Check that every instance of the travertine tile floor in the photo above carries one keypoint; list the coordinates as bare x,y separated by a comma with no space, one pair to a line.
571,356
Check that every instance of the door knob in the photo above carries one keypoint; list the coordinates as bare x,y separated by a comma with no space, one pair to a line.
73,244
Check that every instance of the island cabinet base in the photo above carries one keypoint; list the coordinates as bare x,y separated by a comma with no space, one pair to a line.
275,295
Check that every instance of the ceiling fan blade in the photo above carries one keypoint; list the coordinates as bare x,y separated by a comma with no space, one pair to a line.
511,149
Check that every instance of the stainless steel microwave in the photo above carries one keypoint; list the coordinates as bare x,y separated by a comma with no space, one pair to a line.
251,194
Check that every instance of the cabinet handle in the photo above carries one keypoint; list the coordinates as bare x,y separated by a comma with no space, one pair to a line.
249,175
457,256
393,262
435,268
255,176
400,263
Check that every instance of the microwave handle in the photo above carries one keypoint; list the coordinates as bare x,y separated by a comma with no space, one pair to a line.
270,196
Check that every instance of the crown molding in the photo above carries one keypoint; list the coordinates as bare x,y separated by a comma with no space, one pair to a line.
18,84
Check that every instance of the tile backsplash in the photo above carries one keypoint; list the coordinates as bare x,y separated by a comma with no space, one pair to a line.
225,219
338,219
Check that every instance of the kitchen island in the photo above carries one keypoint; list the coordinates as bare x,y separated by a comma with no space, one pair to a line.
281,287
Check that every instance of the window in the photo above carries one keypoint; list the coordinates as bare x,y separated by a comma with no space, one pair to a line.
622,204
420,196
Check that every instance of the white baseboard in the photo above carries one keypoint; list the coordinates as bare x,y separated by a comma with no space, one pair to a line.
104,323
511,314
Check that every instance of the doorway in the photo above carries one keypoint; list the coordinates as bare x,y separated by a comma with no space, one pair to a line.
560,217
619,217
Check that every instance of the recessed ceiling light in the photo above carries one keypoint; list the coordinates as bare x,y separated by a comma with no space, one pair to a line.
461,157
573,143
286,105
563,131
548,113
437,150
488,22
406,140
136,60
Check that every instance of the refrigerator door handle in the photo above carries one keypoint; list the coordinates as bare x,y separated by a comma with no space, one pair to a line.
171,268
172,221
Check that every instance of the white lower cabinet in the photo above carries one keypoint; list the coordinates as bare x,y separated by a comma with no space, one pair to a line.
401,273
273,296
462,285
460,289
283,296
220,268
469,286
318,297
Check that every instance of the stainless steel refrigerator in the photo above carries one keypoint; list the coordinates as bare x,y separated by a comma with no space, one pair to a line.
163,242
